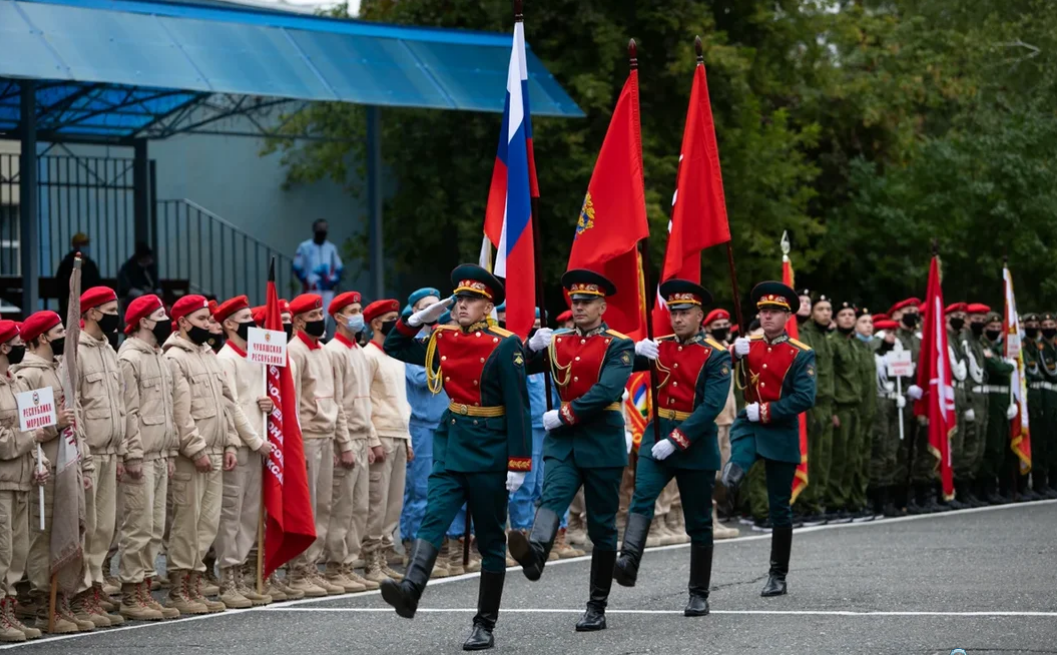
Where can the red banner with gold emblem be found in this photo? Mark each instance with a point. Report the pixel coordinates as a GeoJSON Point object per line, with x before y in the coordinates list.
{"type": "Point", "coordinates": [800, 481]}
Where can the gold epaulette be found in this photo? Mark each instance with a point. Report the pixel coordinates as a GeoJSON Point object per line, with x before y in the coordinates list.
{"type": "Point", "coordinates": [619, 335]}
{"type": "Point", "coordinates": [799, 344]}
{"type": "Point", "coordinates": [667, 337]}
{"type": "Point", "coordinates": [437, 328]}
{"type": "Point", "coordinates": [500, 331]}
{"type": "Point", "coordinates": [715, 344]}
{"type": "Point", "coordinates": [756, 338]}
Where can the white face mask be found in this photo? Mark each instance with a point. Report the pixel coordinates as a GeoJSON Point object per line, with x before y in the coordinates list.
{"type": "Point", "coordinates": [355, 323]}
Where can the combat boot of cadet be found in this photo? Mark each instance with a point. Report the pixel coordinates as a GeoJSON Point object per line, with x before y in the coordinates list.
{"type": "Point", "coordinates": [700, 580]}
{"type": "Point", "coordinates": [532, 551]}
{"type": "Point", "coordinates": [246, 583]}
{"type": "Point", "coordinates": [733, 475]}
{"type": "Point", "coordinates": [676, 523]}
{"type": "Point", "coordinates": [64, 608]}
{"type": "Point", "coordinates": [594, 618]}
{"type": "Point", "coordinates": [351, 574]}
{"type": "Point", "coordinates": [196, 580]}
{"type": "Point", "coordinates": [489, 594]}
{"type": "Point", "coordinates": [404, 595]}
{"type": "Point", "coordinates": [7, 608]}
{"type": "Point", "coordinates": [9, 633]}
{"type": "Point", "coordinates": [64, 622]}
{"type": "Point", "coordinates": [167, 613]}
{"type": "Point", "coordinates": [229, 590]}
{"type": "Point", "coordinates": [180, 596]}
{"type": "Point", "coordinates": [132, 606]}
{"type": "Point", "coordinates": [84, 609]}
{"type": "Point", "coordinates": [626, 569]}
{"type": "Point", "coordinates": [781, 545]}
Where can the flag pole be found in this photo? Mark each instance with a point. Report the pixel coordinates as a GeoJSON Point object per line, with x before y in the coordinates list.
{"type": "Point", "coordinates": [914, 434]}
{"type": "Point", "coordinates": [264, 465]}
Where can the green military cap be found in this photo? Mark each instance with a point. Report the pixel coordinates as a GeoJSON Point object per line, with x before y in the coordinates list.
{"type": "Point", "coordinates": [848, 305]}
{"type": "Point", "coordinates": [775, 295]}
{"type": "Point", "coordinates": [583, 284]}
{"type": "Point", "coordinates": [472, 281]}
{"type": "Point", "coordinates": [993, 317]}
{"type": "Point", "coordinates": [1031, 317]}
{"type": "Point", "coordinates": [684, 294]}
{"type": "Point", "coordinates": [861, 311]}
{"type": "Point", "coordinates": [1047, 316]}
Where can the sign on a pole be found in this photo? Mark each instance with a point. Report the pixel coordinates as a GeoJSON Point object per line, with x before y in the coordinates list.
{"type": "Point", "coordinates": [36, 409]}
{"type": "Point", "coordinates": [900, 364]}
{"type": "Point", "coordinates": [266, 347]}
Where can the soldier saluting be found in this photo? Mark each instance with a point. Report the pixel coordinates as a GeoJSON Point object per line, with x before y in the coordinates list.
{"type": "Point", "coordinates": [778, 378]}
{"type": "Point", "coordinates": [483, 447]}
{"type": "Point", "coordinates": [692, 389]}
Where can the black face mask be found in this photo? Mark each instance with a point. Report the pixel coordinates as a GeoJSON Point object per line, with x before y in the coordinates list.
{"type": "Point", "coordinates": [320, 237]}
{"type": "Point", "coordinates": [109, 323]}
{"type": "Point", "coordinates": [846, 331]}
{"type": "Point", "coordinates": [199, 335]}
{"type": "Point", "coordinates": [16, 354]}
{"type": "Point", "coordinates": [244, 330]}
{"type": "Point", "coordinates": [113, 338]}
{"type": "Point", "coordinates": [977, 328]}
{"type": "Point", "coordinates": [885, 347]}
{"type": "Point", "coordinates": [1049, 333]}
{"type": "Point", "coordinates": [1031, 332]}
{"type": "Point", "coordinates": [288, 328]}
{"type": "Point", "coordinates": [800, 319]}
{"type": "Point", "coordinates": [957, 324]}
{"type": "Point", "coordinates": [216, 342]}
{"type": "Point", "coordinates": [316, 328]}
{"type": "Point", "coordinates": [161, 331]}
{"type": "Point", "coordinates": [993, 334]}
{"type": "Point", "coordinates": [387, 327]}
{"type": "Point", "coordinates": [721, 334]}
{"type": "Point", "coordinates": [58, 346]}
{"type": "Point", "coordinates": [910, 320]}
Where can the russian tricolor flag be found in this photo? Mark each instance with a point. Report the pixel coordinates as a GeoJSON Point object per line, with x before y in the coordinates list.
{"type": "Point", "coordinates": [508, 217]}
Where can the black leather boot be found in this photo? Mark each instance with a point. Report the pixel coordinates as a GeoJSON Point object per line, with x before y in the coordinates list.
{"type": "Point", "coordinates": [626, 570]}
{"type": "Point", "coordinates": [531, 551]}
{"type": "Point", "coordinates": [890, 510]}
{"type": "Point", "coordinates": [733, 475]}
{"type": "Point", "coordinates": [404, 595]}
{"type": "Point", "coordinates": [959, 501]}
{"type": "Point", "coordinates": [991, 493]}
{"type": "Point", "coordinates": [700, 579]}
{"type": "Point", "coordinates": [967, 492]}
{"type": "Point", "coordinates": [919, 503]}
{"type": "Point", "coordinates": [934, 493]}
{"type": "Point", "coordinates": [489, 593]}
{"type": "Point", "coordinates": [1026, 492]}
{"type": "Point", "coordinates": [781, 544]}
{"type": "Point", "coordinates": [594, 618]}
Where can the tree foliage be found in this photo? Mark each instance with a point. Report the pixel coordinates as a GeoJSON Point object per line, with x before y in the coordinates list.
{"type": "Point", "coordinates": [865, 128]}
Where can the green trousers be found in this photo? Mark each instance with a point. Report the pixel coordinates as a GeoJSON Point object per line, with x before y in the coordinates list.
{"type": "Point", "coordinates": [957, 442]}
{"type": "Point", "coordinates": [779, 478]}
{"type": "Point", "coordinates": [695, 491]}
{"type": "Point", "coordinates": [997, 440]}
{"type": "Point", "coordinates": [1040, 427]}
{"type": "Point", "coordinates": [562, 479]}
{"type": "Point", "coordinates": [843, 461]}
{"type": "Point", "coordinates": [975, 434]}
{"type": "Point", "coordinates": [756, 497]}
{"type": "Point", "coordinates": [485, 496]}
{"type": "Point", "coordinates": [819, 450]}
{"type": "Point", "coordinates": [862, 452]}
{"type": "Point", "coordinates": [884, 454]}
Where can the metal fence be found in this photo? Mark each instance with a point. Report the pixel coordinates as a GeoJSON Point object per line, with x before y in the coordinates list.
{"type": "Point", "coordinates": [217, 257]}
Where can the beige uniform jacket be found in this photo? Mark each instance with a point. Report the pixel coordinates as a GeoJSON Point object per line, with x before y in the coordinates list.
{"type": "Point", "coordinates": [353, 382]}
{"type": "Point", "coordinates": [246, 381]}
{"type": "Point", "coordinates": [36, 373]}
{"type": "Point", "coordinates": [100, 395]}
{"type": "Point", "coordinates": [390, 411]}
{"type": "Point", "coordinates": [17, 448]}
{"type": "Point", "coordinates": [150, 427]}
{"type": "Point", "coordinates": [322, 415]}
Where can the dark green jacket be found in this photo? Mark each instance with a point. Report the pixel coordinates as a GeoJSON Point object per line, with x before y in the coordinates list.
{"type": "Point", "coordinates": [868, 376]}
{"type": "Point", "coordinates": [998, 370]}
{"type": "Point", "coordinates": [818, 339]}
{"type": "Point", "coordinates": [596, 439]}
{"type": "Point", "coordinates": [847, 370]}
{"type": "Point", "coordinates": [697, 445]}
{"type": "Point", "coordinates": [465, 444]}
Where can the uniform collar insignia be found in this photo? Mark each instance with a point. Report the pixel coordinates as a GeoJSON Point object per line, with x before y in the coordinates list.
{"type": "Point", "coordinates": [697, 338]}
{"type": "Point", "coordinates": [479, 325]}
{"type": "Point", "coordinates": [592, 333]}
{"type": "Point", "coordinates": [781, 339]}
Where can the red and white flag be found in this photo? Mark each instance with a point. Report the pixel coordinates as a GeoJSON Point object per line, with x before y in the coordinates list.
{"type": "Point", "coordinates": [934, 378]}
{"type": "Point", "coordinates": [1019, 432]}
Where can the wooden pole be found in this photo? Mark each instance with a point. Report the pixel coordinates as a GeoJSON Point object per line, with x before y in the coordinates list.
{"type": "Point", "coordinates": [51, 602]}
{"type": "Point", "coordinates": [260, 509]}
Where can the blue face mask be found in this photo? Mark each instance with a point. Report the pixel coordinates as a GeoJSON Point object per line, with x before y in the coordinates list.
{"type": "Point", "coordinates": [864, 338]}
{"type": "Point", "coordinates": [423, 333]}
{"type": "Point", "coordinates": [355, 323]}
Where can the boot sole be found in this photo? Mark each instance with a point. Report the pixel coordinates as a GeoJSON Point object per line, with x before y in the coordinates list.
{"type": "Point", "coordinates": [521, 550]}
{"type": "Point", "coordinates": [694, 613]}
{"type": "Point", "coordinates": [475, 647]}
{"type": "Point", "coordinates": [393, 594]}
{"type": "Point", "coordinates": [772, 594]}
{"type": "Point", "coordinates": [622, 578]}
{"type": "Point", "coordinates": [582, 628]}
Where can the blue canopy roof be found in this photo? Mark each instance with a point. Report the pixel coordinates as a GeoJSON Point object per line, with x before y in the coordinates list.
{"type": "Point", "coordinates": [115, 67]}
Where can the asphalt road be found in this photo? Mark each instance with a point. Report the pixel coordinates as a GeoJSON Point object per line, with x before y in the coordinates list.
{"type": "Point", "coordinates": [983, 580]}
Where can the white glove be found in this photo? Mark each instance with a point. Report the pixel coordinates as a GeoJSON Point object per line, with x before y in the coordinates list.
{"type": "Point", "coordinates": [541, 339]}
{"type": "Point", "coordinates": [514, 480]}
{"type": "Point", "coordinates": [970, 415]}
{"type": "Point", "coordinates": [646, 348]}
{"type": "Point", "coordinates": [753, 412]}
{"type": "Point", "coordinates": [551, 420]}
{"type": "Point", "coordinates": [430, 314]}
{"type": "Point", "coordinates": [662, 449]}
{"type": "Point", "coordinates": [901, 402]}
{"type": "Point", "coordinates": [1011, 413]}
{"type": "Point", "coordinates": [1009, 360]}
{"type": "Point", "coordinates": [741, 346]}
{"type": "Point", "coordinates": [915, 392]}
{"type": "Point", "coordinates": [629, 440]}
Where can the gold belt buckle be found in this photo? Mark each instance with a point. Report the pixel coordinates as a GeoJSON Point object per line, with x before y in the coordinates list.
{"type": "Point", "coordinates": [464, 409]}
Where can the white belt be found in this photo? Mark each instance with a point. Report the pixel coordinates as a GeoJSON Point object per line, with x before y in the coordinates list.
{"type": "Point", "coordinates": [959, 384]}
{"type": "Point", "coordinates": [1048, 386]}
{"type": "Point", "coordinates": [888, 395]}
{"type": "Point", "coordinates": [987, 388]}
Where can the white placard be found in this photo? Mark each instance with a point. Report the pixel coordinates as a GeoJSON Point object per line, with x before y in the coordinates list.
{"type": "Point", "coordinates": [900, 364]}
{"type": "Point", "coordinates": [36, 409]}
{"type": "Point", "coordinates": [266, 347]}
{"type": "Point", "coordinates": [1012, 346]}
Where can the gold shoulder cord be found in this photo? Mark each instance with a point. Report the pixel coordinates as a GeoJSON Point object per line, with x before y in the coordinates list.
{"type": "Point", "coordinates": [434, 381]}
{"type": "Point", "coordinates": [557, 368]}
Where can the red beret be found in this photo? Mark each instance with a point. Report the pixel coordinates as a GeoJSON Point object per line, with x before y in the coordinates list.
{"type": "Point", "coordinates": [141, 307]}
{"type": "Point", "coordinates": [258, 315]}
{"type": "Point", "coordinates": [231, 306]}
{"type": "Point", "coordinates": [8, 331]}
{"type": "Point", "coordinates": [306, 302]}
{"type": "Point", "coordinates": [717, 315]}
{"type": "Point", "coordinates": [284, 307]}
{"type": "Point", "coordinates": [188, 305]}
{"type": "Point", "coordinates": [344, 300]}
{"type": "Point", "coordinates": [879, 317]}
{"type": "Point", "coordinates": [213, 308]}
{"type": "Point", "coordinates": [956, 307]}
{"type": "Point", "coordinates": [923, 308]}
{"type": "Point", "coordinates": [977, 308]}
{"type": "Point", "coordinates": [380, 308]}
{"type": "Point", "coordinates": [565, 316]}
{"type": "Point", "coordinates": [903, 304]}
{"type": "Point", "coordinates": [97, 296]}
{"type": "Point", "coordinates": [39, 323]}
{"type": "Point", "coordinates": [886, 324]}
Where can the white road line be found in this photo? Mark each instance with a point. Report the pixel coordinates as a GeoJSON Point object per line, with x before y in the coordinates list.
{"type": "Point", "coordinates": [431, 610]}
{"type": "Point", "coordinates": [292, 604]}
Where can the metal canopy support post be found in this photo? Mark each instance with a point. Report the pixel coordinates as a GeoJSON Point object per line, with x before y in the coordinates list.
{"type": "Point", "coordinates": [374, 200]}
{"type": "Point", "coordinates": [140, 193]}
{"type": "Point", "coordinates": [29, 238]}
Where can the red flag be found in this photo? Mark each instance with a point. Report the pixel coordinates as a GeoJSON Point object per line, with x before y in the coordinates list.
{"type": "Point", "coordinates": [291, 527]}
{"type": "Point", "coordinates": [1019, 429]}
{"type": "Point", "coordinates": [800, 481]}
{"type": "Point", "coordinates": [934, 378]}
{"type": "Point", "coordinates": [699, 210]}
{"type": "Point", "coordinates": [613, 217]}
